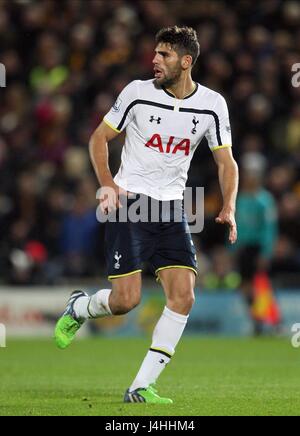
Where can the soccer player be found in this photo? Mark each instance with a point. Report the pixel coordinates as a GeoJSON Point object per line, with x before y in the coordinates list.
{"type": "Point", "coordinates": [165, 119]}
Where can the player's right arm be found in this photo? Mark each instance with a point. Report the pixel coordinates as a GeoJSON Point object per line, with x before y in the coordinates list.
{"type": "Point", "coordinates": [98, 146]}
{"type": "Point", "coordinates": [115, 121]}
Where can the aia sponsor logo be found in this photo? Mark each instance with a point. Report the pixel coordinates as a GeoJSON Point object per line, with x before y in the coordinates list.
{"type": "Point", "coordinates": [156, 142]}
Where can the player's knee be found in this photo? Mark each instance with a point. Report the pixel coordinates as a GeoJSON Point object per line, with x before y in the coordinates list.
{"type": "Point", "coordinates": [191, 302]}
{"type": "Point", "coordinates": [188, 302]}
{"type": "Point", "coordinates": [182, 302]}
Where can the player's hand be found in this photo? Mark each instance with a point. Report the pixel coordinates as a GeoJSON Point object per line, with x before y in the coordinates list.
{"type": "Point", "coordinates": [109, 198]}
{"type": "Point", "coordinates": [226, 216]}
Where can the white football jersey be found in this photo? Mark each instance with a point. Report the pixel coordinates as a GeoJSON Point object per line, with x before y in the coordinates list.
{"type": "Point", "coordinates": [162, 134]}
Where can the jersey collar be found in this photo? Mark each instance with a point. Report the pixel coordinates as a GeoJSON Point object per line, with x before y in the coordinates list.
{"type": "Point", "coordinates": [186, 97]}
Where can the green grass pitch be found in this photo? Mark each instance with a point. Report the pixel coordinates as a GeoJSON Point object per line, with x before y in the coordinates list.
{"type": "Point", "coordinates": [206, 377]}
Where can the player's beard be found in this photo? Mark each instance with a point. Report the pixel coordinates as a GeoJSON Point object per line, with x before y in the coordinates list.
{"type": "Point", "coordinates": [172, 77]}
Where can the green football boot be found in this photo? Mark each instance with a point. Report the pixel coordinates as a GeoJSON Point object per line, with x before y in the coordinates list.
{"type": "Point", "coordinates": [68, 325]}
{"type": "Point", "coordinates": [145, 395]}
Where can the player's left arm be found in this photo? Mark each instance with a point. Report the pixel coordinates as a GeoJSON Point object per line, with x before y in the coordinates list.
{"type": "Point", "coordinates": [228, 179]}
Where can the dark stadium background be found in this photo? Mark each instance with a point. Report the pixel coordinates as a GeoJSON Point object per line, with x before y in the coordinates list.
{"type": "Point", "coordinates": [66, 61]}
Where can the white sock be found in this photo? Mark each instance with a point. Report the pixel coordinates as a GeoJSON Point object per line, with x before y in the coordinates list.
{"type": "Point", "coordinates": [166, 336]}
{"type": "Point", "coordinates": [95, 306]}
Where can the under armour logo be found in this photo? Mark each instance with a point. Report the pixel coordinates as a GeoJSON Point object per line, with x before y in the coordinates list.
{"type": "Point", "coordinates": [158, 120]}
{"type": "Point", "coordinates": [161, 361]}
{"type": "Point", "coordinates": [117, 258]}
{"type": "Point", "coordinates": [195, 122]}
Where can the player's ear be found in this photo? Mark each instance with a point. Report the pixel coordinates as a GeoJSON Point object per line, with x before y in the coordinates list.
{"type": "Point", "coordinates": [186, 61]}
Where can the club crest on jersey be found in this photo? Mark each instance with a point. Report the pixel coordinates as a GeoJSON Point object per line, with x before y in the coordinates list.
{"type": "Point", "coordinates": [156, 143]}
{"type": "Point", "coordinates": [158, 120]}
{"type": "Point", "coordinates": [117, 258]}
{"type": "Point", "coordinates": [195, 122]}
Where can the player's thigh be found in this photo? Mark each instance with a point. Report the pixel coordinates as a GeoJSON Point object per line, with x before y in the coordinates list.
{"type": "Point", "coordinates": [178, 284]}
{"type": "Point", "coordinates": [127, 288]}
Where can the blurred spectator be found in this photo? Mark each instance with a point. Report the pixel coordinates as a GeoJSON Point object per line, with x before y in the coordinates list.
{"type": "Point", "coordinates": [256, 218]}
{"type": "Point", "coordinates": [285, 260]}
{"type": "Point", "coordinates": [221, 274]}
{"type": "Point", "coordinates": [79, 233]}
{"type": "Point", "coordinates": [67, 61]}
{"type": "Point", "coordinates": [49, 73]}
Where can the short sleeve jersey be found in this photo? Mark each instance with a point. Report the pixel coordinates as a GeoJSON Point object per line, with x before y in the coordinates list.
{"type": "Point", "coordinates": [162, 134]}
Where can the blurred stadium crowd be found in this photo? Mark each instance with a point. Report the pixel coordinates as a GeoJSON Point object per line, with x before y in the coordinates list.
{"type": "Point", "coordinates": [66, 62]}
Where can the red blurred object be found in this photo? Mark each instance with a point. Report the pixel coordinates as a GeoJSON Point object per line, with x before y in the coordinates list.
{"type": "Point", "coordinates": [265, 307]}
{"type": "Point", "coordinates": [36, 251]}
{"type": "Point", "coordinates": [45, 113]}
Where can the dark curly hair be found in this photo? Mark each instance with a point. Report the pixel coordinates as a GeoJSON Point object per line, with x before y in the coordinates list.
{"type": "Point", "coordinates": [183, 40]}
